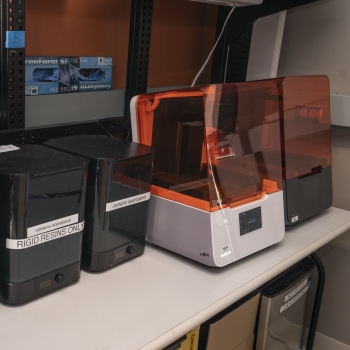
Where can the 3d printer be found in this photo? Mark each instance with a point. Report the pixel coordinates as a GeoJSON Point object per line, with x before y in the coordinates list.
{"type": "Point", "coordinates": [306, 146]}
{"type": "Point", "coordinates": [216, 194]}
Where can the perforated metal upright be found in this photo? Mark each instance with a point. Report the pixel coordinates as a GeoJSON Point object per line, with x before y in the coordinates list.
{"type": "Point", "coordinates": [139, 50]}
{"type": "Point", "coordinates": [12, 64]}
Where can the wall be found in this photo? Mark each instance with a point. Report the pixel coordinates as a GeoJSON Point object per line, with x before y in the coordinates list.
{"type": "Point", "coordinates": [80, 28]}
{"type": "Point", "coordinates": [334, 319]}
{"type": "Point", "coordinates": [316, 41]}
{"type": "Point", "coordinates": [183, 33]}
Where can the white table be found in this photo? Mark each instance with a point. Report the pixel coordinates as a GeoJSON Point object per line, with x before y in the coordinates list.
{"type": "Point", "coordinates": [149, 302]}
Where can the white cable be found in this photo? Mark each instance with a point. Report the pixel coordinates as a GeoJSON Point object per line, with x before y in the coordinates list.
{"type": "Point", "coordinates": [212, 50]}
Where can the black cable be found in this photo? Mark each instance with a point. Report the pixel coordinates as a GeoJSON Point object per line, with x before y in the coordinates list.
{"type": "Point", "coordinates": [318, 300]}
{"type": "Point", "coordinates": [98, 122]}
{"type": "Point", "coordinates": [125, 130]}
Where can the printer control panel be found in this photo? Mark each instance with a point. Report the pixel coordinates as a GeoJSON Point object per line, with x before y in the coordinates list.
{"type": "Point", "coordinates": [250, 221]}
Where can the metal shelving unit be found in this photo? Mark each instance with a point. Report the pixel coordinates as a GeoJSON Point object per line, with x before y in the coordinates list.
{"type": "Point", "coordinates": [12, 56]}
{"type": "Point", "coordinates": [139, 50]}
{"type": "Point", "coordinates": [230, 59]}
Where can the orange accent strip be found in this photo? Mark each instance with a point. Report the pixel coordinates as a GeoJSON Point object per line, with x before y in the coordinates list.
{"type": "Point", "coordinates": [251, 198]}
{"type": "Point", "coordinates": [183, 199]}
{"type": "Point", "coordinates": [177, 94]}
{"type": "Point", "coordinates": [218, 207]}
{"type": "Point", "coordinates": [144, 122]}
{"type": "Point", "coordinates": [145, 111]}
{"type": "Point", "coordinates": [270, 186]}
{"type": "Point", "coordinates": [180, 198]}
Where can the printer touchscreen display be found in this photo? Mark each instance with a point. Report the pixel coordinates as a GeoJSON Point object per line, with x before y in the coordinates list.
{"type": "Point", "coordinates": [250, 220]}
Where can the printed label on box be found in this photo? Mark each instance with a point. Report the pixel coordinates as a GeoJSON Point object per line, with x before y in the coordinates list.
{"type": "Point", "coordinates": [295, 299]}
{"type": "Point", "coordinates": [44, 237]}
{"type": "Point", "coordinates": [32, 90]}
{"type": "Point", "coordinates": [105, 61]}
{"type": "Point", "coordinates": [90, 73]}
{"type": "Point", "coordinates": [128, 201]}
{"type": "Point", "coordinates": [46, 75]}
{"type": "Point", "coordinates": [295, 218]}
{"type": "Point", "coordinates": [49, 226]}
{"type": "Point", "coordinates": [295, 291]}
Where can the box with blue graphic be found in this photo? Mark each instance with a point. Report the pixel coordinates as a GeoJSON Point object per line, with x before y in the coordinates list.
{"type": "Point", "coordinates": [90, 73]}
{"type": "Point", "coordinates": [46, 75]}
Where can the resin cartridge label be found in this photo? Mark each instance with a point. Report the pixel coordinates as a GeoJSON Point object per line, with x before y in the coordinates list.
{"type": "Point", "coordinates": [51, 225]}
{"type": "Point", "coordinates": [128, 201]}
{"type": "Point", "coordinates": [44, 237]}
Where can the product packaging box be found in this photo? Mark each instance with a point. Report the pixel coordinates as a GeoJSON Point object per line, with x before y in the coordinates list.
{"type": "Point", "coordinates": [231, 329]}
{"type": "Point", "coordinates": [46, 75]}
{"type": "Point", "coordinates": [191, 342]}
{"type": "Point", "coordinates": [90, 73]}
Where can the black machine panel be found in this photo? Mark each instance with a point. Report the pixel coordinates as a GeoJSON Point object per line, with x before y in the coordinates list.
{"type": "Point", "coordinates": [117, 197]}
{"type": "Point", "coordinates": [43, 209]}
{"type": "Point", "coordinates": [307, 196]}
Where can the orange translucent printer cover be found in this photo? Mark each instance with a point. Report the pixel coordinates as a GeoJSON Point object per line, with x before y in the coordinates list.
{"type": "Point", "coordinates": [215, 146]}
{"type": "Point", "coordinates": [306, 133]}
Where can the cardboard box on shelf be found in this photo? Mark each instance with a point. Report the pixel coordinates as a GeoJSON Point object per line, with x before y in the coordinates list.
{"type": "Point", "coordinates": [191, 343]}
{"type": "Point", "coordinates": [90, 73]}
{"type": "Point", "coordinates": [235, 330]}
{"type": "Point", "coordinates": [46, 75]}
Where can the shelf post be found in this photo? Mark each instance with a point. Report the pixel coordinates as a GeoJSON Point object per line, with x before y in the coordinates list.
{"type": "Point", "coordinates": [12, 64]}
{"type": "Point", "coordinates": [139, 50]}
